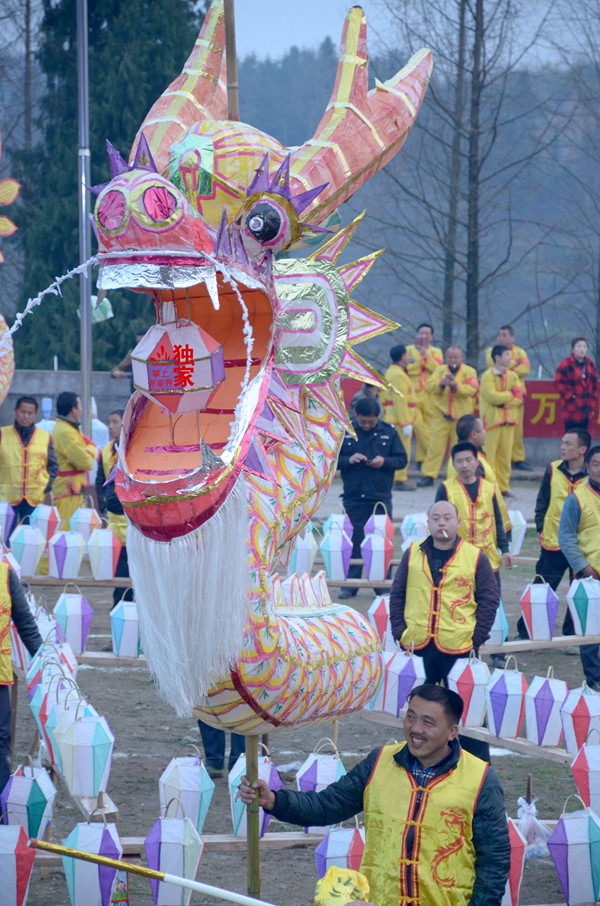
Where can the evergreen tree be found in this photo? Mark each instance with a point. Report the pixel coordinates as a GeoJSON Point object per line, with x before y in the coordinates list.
{"type": "Point", "coordinates": [136, 48]}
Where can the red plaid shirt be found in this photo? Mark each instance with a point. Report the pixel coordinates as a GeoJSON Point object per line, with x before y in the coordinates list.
{"type": "Point", "coordinates": [577, 383]}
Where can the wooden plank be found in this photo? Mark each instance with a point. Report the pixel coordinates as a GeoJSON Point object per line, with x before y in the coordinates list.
{"type": "Point", "coordinates": [523, 746]}
{"type": "Point", "coordinates": [87, 581]}
{"type": "Point", "coordinates": [110, 659]}
{"type": "Point", "coordinates": [559, 641]}
{"type": "Point", "coordinates": [133, 847]}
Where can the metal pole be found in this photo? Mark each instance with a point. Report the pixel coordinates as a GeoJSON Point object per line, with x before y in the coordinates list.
{"type": "Point", "coordinates": [233, 95]}
{"type": "Point", "coordinates": [83, 161]}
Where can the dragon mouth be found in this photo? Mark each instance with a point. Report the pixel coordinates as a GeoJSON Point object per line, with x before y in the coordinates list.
{"type": "Point", "coordinates": [176, 468]}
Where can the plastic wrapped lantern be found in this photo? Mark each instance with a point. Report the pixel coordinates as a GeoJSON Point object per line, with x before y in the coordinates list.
{"type": "Point", "coordinates": [585, 768]}
{"type": "Point", "coordinates": [74, 614]}
{"type": "Point", "coordinates": [505, 701]}
{"type": "Point", "coordinates": [175, 847]}
{"type": "Point", "coordinates": [27, 545]}
{"type": "Point", "coordinates": [379, 618]}
{"type": "Point", "coordinates": [583, 599]}
{"type": "Point", "coordinates": [469, 677]}
{"type": "Point", "coordinates": [539, 606]}
{"type": "Point", "coordinates": [104, 549]}
{"type": "Point", "coordinates": [186, 779]}
{"type": "Point", "coordinates": [580, 714]}
{"type": "Point", "coordinates": [178, 366]}
{"type": "Point", "coordinates": [86, 881]}
{"type": "Point", "coordinates": [543, 701]}
{"type": "Point", "coordinates": [318, 771]}
{"type": "Point", "coordinates": [65, 553]}
{"type": "Point", "coordinates": [574, 845]}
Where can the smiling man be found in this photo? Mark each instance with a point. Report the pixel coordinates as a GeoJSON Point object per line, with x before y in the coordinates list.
{"type": "Point", "coordinates": [435, 821]}
{"type": "Point", "coordinates": [444, 596]}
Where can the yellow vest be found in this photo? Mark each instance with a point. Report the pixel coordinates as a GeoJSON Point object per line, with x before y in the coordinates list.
{"type": "Point", "coordinates": [498, 405]}
{"type": "Point", "coordinates": [23, 470]}
{"type": "Point", "coordinates": [6, 671]}
{"type": "Point", "coordinates": [109, 458]}
{"type": "Point", "coordinates": [442, 863]}
{"type": "Point", "coordinates": [519, 363]}
{"type": "Point", "coordinates": [588, 534]}
{"type": "Point", "coordinates": [489, 475]}
{"type": "Point", "coordinates": [444, 613]}
{"type": "Point", "coordinates": [75, 454]}
{"type": "Point", "coordinates": [560, 488]}
{"type": "Point", "coordinates": [477, 523]}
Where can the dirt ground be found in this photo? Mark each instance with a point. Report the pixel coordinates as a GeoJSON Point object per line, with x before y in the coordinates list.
{"type": "Point", "coordinates": [148, 734]}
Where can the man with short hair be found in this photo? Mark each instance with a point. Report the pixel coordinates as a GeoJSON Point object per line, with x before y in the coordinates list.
{"type": "Point", "coordinates": [444, 596]}
{"type": "Point", "coordinates": [28, 464]}
{"type": "Point", "coordinates": [579, 540]}
{"type": "Point", "coordinates": [470, 428]}
{"type": "Point", "coordinates": [400, 407]}
{"type": "Point", "coordinates": [423, 359]}
{"type": "Point", "coordinates": [520, 364]}
{"type": "Point", "coordinates": [500, 398]}
{"type": "Point", "coordinates": [560, 479]}
{"type": "Point", "coordinates": [367, 464]}
{"type": "Point", "coordinates": [416, 796]}
{"type": "Point", "coordinates": [75, 453]}
{"type": "Point", "coordinates": [453, 389]}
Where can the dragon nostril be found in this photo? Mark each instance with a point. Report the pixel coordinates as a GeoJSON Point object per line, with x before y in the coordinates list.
{"type": "Point", "coordinates": [111, 210]}
{"type": "Point", "coordinates": [159, 203]}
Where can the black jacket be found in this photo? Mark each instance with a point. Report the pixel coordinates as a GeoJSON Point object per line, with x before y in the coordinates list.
{"type": "Point", "coordinates": [107, 495]}
{"type": "Point", "coordinates": [362, 482]}
{"type": "Point", "coordinates": [21, 615]}
{"type": "Point", "coordinates": [344, 798]}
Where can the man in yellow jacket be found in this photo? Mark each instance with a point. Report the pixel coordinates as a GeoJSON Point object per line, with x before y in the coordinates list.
{"type": "Point", "coordinates": [28, 464]}
{"type": "Point", "coordinates": [453, 389]}
{"type": "Point", "coordinates": [423, 359]}
{"type": "Point", "coordinates": [75, 453]}
{"type": "Point", "coordinates": [520, 364]}
{"type": "Point", "coordinates": [400, 408]}
{"type": "Point", "coordinates": [416, 797]}
{"type": "Point", "coordinates": [500, 398]}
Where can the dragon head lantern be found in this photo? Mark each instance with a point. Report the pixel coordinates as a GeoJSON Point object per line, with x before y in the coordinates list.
{"type": "Point", "coordinates": [218, 476]}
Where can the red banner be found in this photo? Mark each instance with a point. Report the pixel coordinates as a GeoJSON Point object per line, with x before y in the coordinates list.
{"type": "Point", "coordinates": [542, 417]}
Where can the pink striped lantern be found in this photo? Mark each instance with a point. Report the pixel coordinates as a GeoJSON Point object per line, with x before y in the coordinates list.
{"type": "Point", "coordinates": [65, 555]}
{"type": "Point", "coordinates": [469, 678]}
{"type": "Point", "coordinates": [380, 522]}
{"type": "Point", "coordinates": [377, 699]}
{"type": "Point", "coordinates": [517, 863]}
{"type": "Point", "coordinates": [543, 701]}
{"type": "Point", "coordinates": [378, 616]}
{"type": "Point", "coordinates": [505, 701]}
{"type": "Point", "coordinates": [46, 518]}
{"type": "Point", "coordinates": [539, 606]}
{"type": "Point", "coordinates": [342, 847]}
{"type": "Point", "coordinates": [585, 768]}
{"type": "Point", "coordinates": [580, 714]}
{"type": "Point", "coordinates": [16, 864]}
{"type": "Point", "coordinates": [104, 549]}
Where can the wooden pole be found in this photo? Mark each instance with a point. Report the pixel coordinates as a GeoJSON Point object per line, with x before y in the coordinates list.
{"type": "Point", "coordinates": [233, 93]}
{"type": "Point", "coordinates": [253, 851]}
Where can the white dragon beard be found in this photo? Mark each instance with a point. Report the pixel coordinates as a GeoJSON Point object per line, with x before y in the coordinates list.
{"type": "Point", "coordinates": [192, 601]}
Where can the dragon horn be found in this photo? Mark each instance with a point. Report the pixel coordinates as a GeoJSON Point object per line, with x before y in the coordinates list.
{"type": "Point", "coordinates": [360, 130]}
{"type": "Point", "coordinates": [197, 94]}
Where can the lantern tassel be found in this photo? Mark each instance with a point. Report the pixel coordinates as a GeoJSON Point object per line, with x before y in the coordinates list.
{"type": "Point", "coordinates": [121, 865]}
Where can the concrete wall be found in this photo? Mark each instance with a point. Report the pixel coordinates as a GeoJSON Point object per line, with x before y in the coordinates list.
{"type": "Point", "coordinates": [109, 393]}
{"type": "Point", "coordinates": [113, 393]}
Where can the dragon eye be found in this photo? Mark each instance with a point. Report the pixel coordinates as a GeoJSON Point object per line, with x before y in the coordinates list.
{"type": "Point", "coordinates": [264, 222]}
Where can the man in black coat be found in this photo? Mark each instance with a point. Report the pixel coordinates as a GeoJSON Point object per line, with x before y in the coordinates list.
{"type": "Point", "coordinates": [367, 464]}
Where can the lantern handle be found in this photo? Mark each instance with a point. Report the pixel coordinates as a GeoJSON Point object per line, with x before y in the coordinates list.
{"type": "Point", "coordinates": [188, 745]}
{"type": "Point", "coordinates": [89, 502]}
{"type": "Point", "coordinates": [69, 681]}
{"type": "Point", "coordinates": [74, 584]}
{"type": "Point", "coordinates": [538, 576]}
{"type": "Point", "coordinates": [66, 702]}
{"type": "Point", "coordinates": [323, 742]}
{"type": "Point", "coordinates": [550, 674]}
{"type": "Point", "coordinates": [593, 730]}
{"type": "Point", "coordinates": [179, 802]}
{"type": "Point", "coordinates": [574, 796]}
{"type": "Point", "coordinates": [28, 762]}
{"type": "Point", "coordinates": [473, 656]}
{"type": "Point", "coordinates": [511, 657]}
{"type": "Point", "coordinates": [101, 813]}
{"type": "Point", "coordinates": [380, 503]}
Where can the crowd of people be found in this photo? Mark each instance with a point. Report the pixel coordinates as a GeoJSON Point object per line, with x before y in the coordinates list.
{"type": "Point", "coordinates": [468, 521]}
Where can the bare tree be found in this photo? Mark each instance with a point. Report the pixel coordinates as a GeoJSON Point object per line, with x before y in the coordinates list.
{"type": "Point", "coordinates": [452, 210]}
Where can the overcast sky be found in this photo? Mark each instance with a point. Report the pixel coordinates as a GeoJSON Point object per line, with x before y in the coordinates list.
{"type": "Point", "coordinates": [271, 27]}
